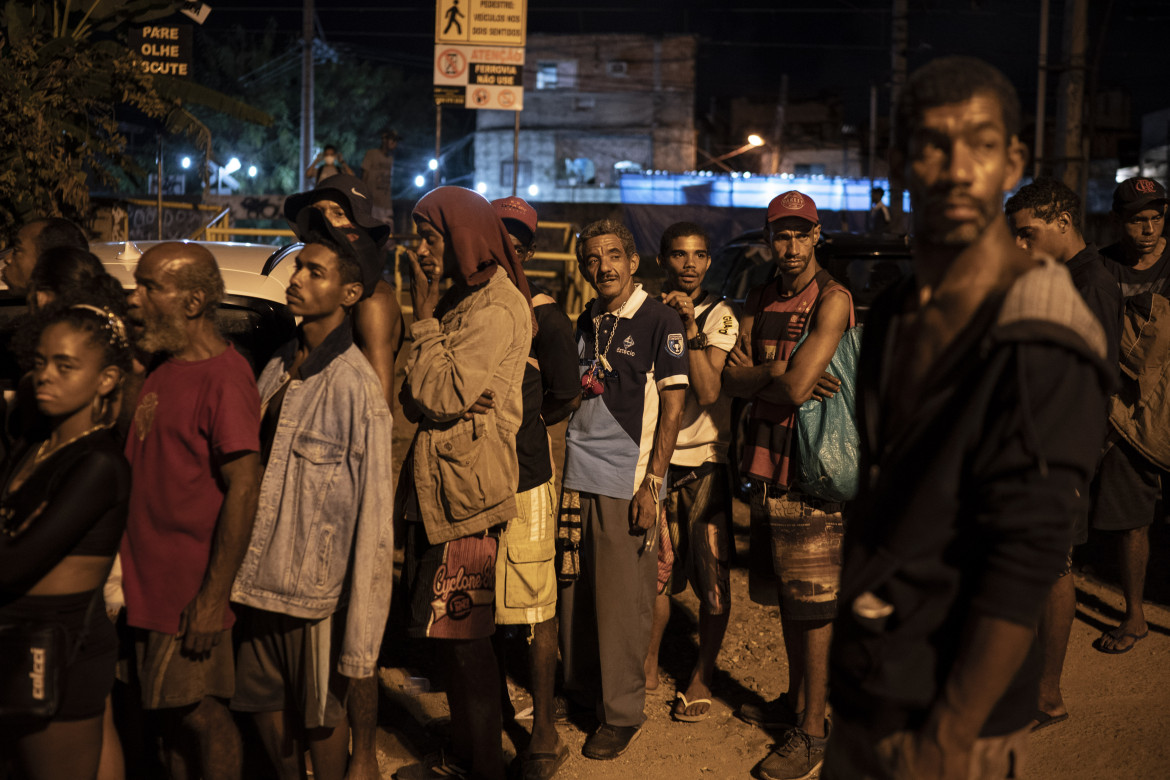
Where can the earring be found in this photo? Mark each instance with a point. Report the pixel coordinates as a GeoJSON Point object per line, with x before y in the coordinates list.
{"type": "Point", "coordinates": [99, 409]}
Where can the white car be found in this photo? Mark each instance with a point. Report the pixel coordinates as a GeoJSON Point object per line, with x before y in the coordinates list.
{"type": "Point", "coordinates": [254, 313]}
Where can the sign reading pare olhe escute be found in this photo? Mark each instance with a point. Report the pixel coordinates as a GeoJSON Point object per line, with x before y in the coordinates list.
{"type": "Point", "coordinates": [163, 49]}
{"type": "Point", "coordinates": [493, 22]}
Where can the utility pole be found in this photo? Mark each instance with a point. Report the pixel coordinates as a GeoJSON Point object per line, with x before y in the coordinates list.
{"type": "Point", "coordinates": [439, 144]}
{"type": "Point", "coordinates": [307, 35]}
{"type": "Point", "coordinates": [160, 186]}
{"type": "Point", "coordinates": [1070, 110]}
{"type": "Point", "coordinates": [900, 38]}
{"type": "Point", "coordinates": [515, 153]}
{"type": "Point", "coordinates": [778, 128]}
{"type": "Point", "coordinates": [873, 105]}
{"type": "Point", "coordinates": [1041, 92]}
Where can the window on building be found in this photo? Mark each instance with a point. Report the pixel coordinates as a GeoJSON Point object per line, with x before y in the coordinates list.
{"type": "Point", "coordinates": [506, 174]}
{"type": "Point", "coordinates": [546, 75]}
{"type": "Point", "coordinates": [556, 75]}
{"type": "Point", "coordinates": [616, 68]}
{"type": "Point", "coordinates": [577, 172]}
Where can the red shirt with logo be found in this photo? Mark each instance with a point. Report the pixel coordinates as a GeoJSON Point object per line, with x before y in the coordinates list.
{"type": "Point", "coordinates": [191, 416]}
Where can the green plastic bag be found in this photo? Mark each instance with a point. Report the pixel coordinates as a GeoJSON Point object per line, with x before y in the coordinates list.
{"type": "Point", "coordinates": [827, 442]}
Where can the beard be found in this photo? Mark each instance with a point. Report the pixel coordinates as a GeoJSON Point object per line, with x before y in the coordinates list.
{"type": "Point", "coordinates": [934, 227]}
{"type": "Point", "coordinates": [164, 333]}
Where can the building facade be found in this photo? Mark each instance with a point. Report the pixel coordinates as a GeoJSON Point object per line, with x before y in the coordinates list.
{"type": "Point", "coordinates": [595, 106]}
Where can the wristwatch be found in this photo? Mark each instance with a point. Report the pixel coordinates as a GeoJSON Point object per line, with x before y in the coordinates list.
{"type": "Point", "coordinates": [698, 342]}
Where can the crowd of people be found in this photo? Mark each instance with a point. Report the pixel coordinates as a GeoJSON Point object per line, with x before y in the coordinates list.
{"type": "Point", "coordinates": [223, 542]}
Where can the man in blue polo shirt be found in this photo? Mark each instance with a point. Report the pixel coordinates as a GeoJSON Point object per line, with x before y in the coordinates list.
{"type": "Point", "coordinates": [634, 376]}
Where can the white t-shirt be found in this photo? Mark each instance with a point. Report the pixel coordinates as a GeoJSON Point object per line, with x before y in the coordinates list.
{"type": "Point", "coordinates": [705, 432]}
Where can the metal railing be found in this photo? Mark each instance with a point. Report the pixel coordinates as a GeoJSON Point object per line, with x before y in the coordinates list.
{"type": "Point", "coordinates": [223, 216]}
{"type": "Point", "coordinates": [166, 204]}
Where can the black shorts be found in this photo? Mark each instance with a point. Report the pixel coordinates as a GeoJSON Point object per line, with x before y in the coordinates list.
{"type": "Point", "coordinates": [1127, 490]}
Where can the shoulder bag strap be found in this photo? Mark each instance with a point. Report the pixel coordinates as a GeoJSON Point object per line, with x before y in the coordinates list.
{"type": "Point", "coordinates": [701, 320]}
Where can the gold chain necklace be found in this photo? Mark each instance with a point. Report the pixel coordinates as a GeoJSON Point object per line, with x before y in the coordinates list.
{"type": "Point", "coordinates": [43, 453]}
{"type": "Point", "coordinates": [599, 355]}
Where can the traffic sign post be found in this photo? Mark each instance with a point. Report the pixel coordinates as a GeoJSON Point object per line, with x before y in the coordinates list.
{"type": "Point", "coordinates": [479, 59]}
{"type": "Point", "coordinates": [491, 22]}
{"type": "Point", "coordinates": [479, 46]}
{"type": "Point", "coordinates": [490, 76]}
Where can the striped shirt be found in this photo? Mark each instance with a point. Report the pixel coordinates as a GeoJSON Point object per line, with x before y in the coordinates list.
{"type": "Point", "coordinates": [779, 322]}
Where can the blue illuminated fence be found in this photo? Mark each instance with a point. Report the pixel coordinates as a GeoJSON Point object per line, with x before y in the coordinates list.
{"type": "Point", "coordinates": [746, 190]}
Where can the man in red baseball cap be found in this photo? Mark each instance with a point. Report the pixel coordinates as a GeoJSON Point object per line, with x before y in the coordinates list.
{"type": "Point", "coordinates": [795, 538]}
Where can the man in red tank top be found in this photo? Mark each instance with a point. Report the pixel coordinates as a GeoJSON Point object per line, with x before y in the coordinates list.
{"type": "Point", "coordinates": [796, 539]}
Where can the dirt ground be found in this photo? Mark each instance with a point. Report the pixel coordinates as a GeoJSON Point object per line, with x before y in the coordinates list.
{"type": "Point", "coordinates": [1119, 704]}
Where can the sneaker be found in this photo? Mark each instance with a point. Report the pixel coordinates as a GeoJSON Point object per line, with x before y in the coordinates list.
{"type": "Point", "coordinates": [775, 714]}
{"type": "Point", "coordinates": [609, 742]}
{"type": "Point", "coordinates": [436, 766]}
{"type": "Point", "coordinates": [796, 758]}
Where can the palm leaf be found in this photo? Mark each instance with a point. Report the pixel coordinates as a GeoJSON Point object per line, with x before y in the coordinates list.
{"type": "Point", "coordinates": [172, 88]}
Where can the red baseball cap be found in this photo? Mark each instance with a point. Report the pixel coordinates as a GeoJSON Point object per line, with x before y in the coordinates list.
{"type": "Point", "coordinates": [792, 204]}
{"type": "Point", "coordinates": [515, 211]}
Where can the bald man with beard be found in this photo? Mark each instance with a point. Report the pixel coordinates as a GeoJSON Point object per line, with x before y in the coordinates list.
{"type": "Point", "coordinates": [193, 449]}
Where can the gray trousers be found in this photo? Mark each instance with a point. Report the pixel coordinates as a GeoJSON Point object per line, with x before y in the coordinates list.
{"type": "Point", "coordinates": [606, 615]}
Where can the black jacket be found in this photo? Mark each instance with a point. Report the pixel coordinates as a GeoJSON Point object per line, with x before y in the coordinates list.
{"type": "Point", "coordinates": [968, 507]}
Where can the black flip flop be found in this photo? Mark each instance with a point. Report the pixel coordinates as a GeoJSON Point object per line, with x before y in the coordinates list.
{"type": "Point", "coordinates": [1117, 635]}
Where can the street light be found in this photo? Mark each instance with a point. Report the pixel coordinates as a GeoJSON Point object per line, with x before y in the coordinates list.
{"type": "Point", "coordinates": [420, 180]}
{"type": "Point", "coordinates": [433, 164]}
{"type": "Point", "coordinates": [252, 171]}
{"type": "Point", "coordinates": [232, 166]}
{"type": "Point", "coordinates": [753, 142]}
{"type": "Point", "coordinates": [185, 162]}
{"type": "Point", "coordinates": [481, 187]}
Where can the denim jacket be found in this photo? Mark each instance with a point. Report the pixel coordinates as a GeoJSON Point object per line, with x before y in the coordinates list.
{"type": "Point", "coordinates": [465, 471]}
{"type": "Point", "coordinates": [323, 529]}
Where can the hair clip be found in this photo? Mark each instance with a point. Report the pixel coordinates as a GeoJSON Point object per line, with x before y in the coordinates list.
{"type": "Point", "coordinates": [116, 327]}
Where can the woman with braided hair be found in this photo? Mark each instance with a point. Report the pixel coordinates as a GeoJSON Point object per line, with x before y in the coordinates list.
{"type": "Point", "coordinates": [62, 512]}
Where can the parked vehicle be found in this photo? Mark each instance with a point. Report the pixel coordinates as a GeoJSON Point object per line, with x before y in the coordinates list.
{"type": "Point", "coordinates": [865, 264]}
{"type": "Point", "coordinates": [254, 314]}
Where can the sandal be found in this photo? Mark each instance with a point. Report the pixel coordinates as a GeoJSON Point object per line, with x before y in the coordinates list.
{"type": "Point", "coordinates": [681, 714]}
{"type": "Point", "coordinates": [543, 766]}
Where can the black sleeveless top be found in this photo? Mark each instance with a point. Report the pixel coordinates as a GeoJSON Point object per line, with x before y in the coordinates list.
{"type": "Point", "coordinates": [77, 501]}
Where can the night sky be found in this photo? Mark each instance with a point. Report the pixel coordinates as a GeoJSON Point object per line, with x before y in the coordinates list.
{"type": "Point", "coordinates": [827, 47]}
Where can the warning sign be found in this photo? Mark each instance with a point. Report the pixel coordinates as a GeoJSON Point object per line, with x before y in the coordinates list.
{"type": "Point", "coordinates": [450, 96]}
{"type": "Point", "coordinates": [472, 96]}
{"type": "Point", "coordinates": [450, 64]}
{"type": "Point", "coordinates": [487, 76]}
{"type": "Point", "coordinates": [497, 75]}
{"type": "Point", "coordinates": [494, 22]}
